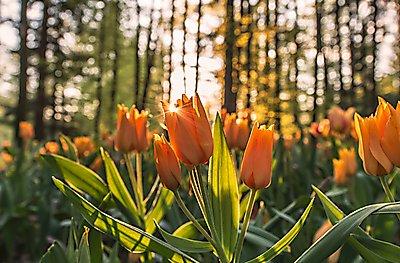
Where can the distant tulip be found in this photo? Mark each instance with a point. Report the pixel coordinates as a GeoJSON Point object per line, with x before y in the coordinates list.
{"type": "Point", "coordinates": [340, 172]}
{"type": "Point", "coordinates": [84, 145]}
{"type": "Point", "coordinates": [26, 131]}
{"type": "Point", "coordinates": [237, 131]}
{"type": "Point", "coordinates": [167, 163]}
{"type": "Point", "coordinates": [349, 158]}
{"type": "Point", "coordinates": [132, 134]}
{"type": "Point", "coordinates": [341, 120]}
{"type": "Point", "coordinates": [320, 129]}
{"type": "Point", "coordinates": [257, 159]}
{"type": "Point", "coordinates": [49, 147]}
{"type": "Point", "coordinates": [375, 161]}
{"type": "Point", "coordinates": [189, 130]}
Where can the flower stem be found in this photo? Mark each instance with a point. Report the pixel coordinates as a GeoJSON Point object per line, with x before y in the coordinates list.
{"type": "Point", "coordinates": [132, 177]}
{"type": "Point", "coordinates": [139, 176]}
{"type": "Point", "coordinates": [190, 216]}
{"type": "Point", "coordinates": [245, 224]}
{"type": "Point", "coordinates": [388, 193]}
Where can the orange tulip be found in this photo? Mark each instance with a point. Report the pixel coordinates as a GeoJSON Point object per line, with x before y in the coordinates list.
{"type": "Point", "coordinates": [132, 134]}
{"type": "Point", "coordinates": [388, 120]}
{"type": "Point", "coordinates": [26, 131]}
{"type": "Point", "coordinates": [189, 130]}
{"type": "Point", "coordinates": [341, 120]}
{"type": "Point", "coordinates": [340, 172]}
{"type": "Point", "coordinates": [96, 164]}
{"type": "Point", "coordinates": [257, 159]}
{"type": "Point", "coordinates": [6, 157]}
{"type": "Point", "coordinates": [320, 129]}
{"type": "Point", "coordinates": [167, 163]}
{"type": "Point", "coordinates": [237, 131]}
{"type": "Point", "coordinates": [84, 146]}
{"type": "Point", "coordinates": [349, 158]}
{"type": "Point", "coordinates": [375, 161]}
{"type": "Point", "coordinates": [49, 147]}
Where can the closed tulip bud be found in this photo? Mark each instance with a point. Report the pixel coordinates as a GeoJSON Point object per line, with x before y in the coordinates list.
{"type": "Point", "coordinates": [340, 172]}
{"type": "Point", "coordinates": [84, 145]}
{"type": "Point", "coordinates": [26, 131]}
{"type": "Point", "coordinates": [167, 163]}
{"type": "Point", "coordinates": [189, 130]}
{"type": "Point", "coordinates": [320, 129]}
{"type": "Point", "coordinates": [237, 131]}
{"type": "Point", "coordinates": [375, 161]}
{"type": "Point", "coordinates": [257, 159]}
{"type": "Point", "coordinates": [132, 133]}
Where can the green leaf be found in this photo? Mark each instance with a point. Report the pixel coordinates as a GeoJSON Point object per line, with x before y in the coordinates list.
{"type": "Point", "coordinates": [95, 246]}
{"type": "Point", "coordinates": [224, 192]}
{"type": "Point", "coordinates": [132, 238]}
{"type": "Point", "coordinates": [118, 188]}
{"type": "Point", "coordinates": [245, 201]}
{"type": "Point", "coordinates": [186, 244]}
{"type": "Point", "coordinates": [72, 152]}
{"type": "Point", "coordinates": [160, 206]}
{"type": "Point", "coordinates": [335, 214]}
{"type": "Point", "coordinates": [386, 250]}
{"type": "Point", "coordinates": [54, 253]}
{"type": "Point", "coordinates": [286, 240]}
{"type": "Point", "coordinates": [188, 230]}
{"type": "Point", "coordinates": [340, 232]}
{"type": "Point", "coordinates": [78, 177]}
{"type": "Point", "coordinates": [260, 237]}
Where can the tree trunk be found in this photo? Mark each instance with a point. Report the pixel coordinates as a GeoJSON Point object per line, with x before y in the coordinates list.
{"type": "Point", "coordinates": [230, 95]}
{"type": "Point", "coordinates": [136, 67]}
{"type": "Point", "coordinates": [42, 68]}
{"type": "Point", "coordinates": [198, 48]}
{"type": "Point", "coordinates": [23, 61]}
{"type": "Point", "coordinates": [115, 80]}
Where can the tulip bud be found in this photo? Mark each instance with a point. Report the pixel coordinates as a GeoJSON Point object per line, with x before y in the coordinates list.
{"type": "Point", "coordinates": [237, 131]}
{"type": "Point", "coordinates": [340, 172]}
{"type": "Point", "coordinates": [375, 161]}
{"type": "Point", "coordinates": [349, 158]}
{"type": "Point", "coordinates": [84, 145]}
{"type": "Point", "coordinates": [257, 159]}
{"type": "Point", "coordinates": [189, 130]}
{"type": "Point", "coordinates": [167, 163]}
{"type": "Point", "coordinates": [340, 120]}
{"type": "Point", "coordinates": [26, 131]}
{"type": "Point", "coordinates": [132, 134]}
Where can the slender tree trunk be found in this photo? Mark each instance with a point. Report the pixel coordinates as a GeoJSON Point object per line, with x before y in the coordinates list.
{"type": "Point", "coordinates": [100, 62]}
{"type": "Point", "coordinates": [184, 45]}
{"type": "Point", "coordinates": [249, 56]}
{"type": "Point", "coordinates": [115, 80]}
{"type": "Point", "coordinates": [339, 44]}
{"type": "Point", "coordinates": [137, 66]}
{"type": "Point", "coordinates": [23, 61]}
{"type": "Point", "coordinates": [171, 49]}
{"type": "Point", "coordinates": [230, 95]}
{"type": "Point", "coordinates": [277, 70]}
{"type": "Point", "coordinates": [374, 53]}
{"type": "Point", "coordinates": [41, 91]}
{"type": "Point", "coordinates": [319, 47]}
{"type": "Point", "coordinates": [198, 47]}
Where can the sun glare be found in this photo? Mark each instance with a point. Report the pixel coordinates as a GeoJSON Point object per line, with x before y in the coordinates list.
{"type": "Point", "coordinates": [173, 108]}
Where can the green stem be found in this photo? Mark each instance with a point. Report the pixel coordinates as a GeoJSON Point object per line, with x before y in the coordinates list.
{"type": "Point", "coordinates": [190, 216]}
{"type": "Point", "coordinates": [388, 193]}
{"type": "Point", "coordinates": [132, 177]}
{"type": "Point", "coordinates": [245, 224]}
{"type": "Point", "coordinates": [139, 176]}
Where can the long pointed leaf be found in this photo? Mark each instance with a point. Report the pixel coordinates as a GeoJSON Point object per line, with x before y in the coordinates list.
{"type": "Point", "coordinates": [132, 238]}
{"type": "Point", "coordinates": [224, 192]}
{"type": "Point", "coordinates": [162, 204]}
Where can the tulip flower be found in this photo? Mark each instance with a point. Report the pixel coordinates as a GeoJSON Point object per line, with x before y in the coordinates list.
{"type": "Point", "coordinates": [49, 147]}
{"type": "Point", "coordinates": [167, 163]}
{"type": "Point", "coordinates": [388, 120]}
{"type": "Point", "coordinates": [341, 120]}
{"type": "Point", "coordinates": [257, 159]}
{"type": "Point", "coordinates": [132, 134]}
{"type": "Point", "coordinates": [237, 131]}
{"type": "Point", "coordinates": [84, 146]}
{"type": "Point", "coordinates": [189, 130]}
{"type": "Point", "coordinates": [375, 161]}
{"type": "Point", "coordinates": [349, 158]}
{"type": "Point", "coordinates": [26, 131]}
{"type": "Point", "coordinates": [320, 129]}
{"type": "Point", "coordinates": [340, 172]}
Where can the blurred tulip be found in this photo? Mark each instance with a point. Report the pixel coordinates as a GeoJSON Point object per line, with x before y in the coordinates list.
{"type": "Point", "coordinates": [375, 161]}
{"type": "Point", "coordinates": [237, 131]}
{"type": "Point", "coordinates": [257, 158]}
{"type": "Point", "coordinates": [96, 164]}
{"type": "Point", "coordinates": [84, 146]}
{"type": "Point", "coordinates": [320, 129]}
{"type": "Point", "coordinates": [167, 163]}
{"type": "Point", "coordinates": [320, 232]}
{"type": "Point", "coordinates": [341, 120]}
{"type": "Point", "coordinates": [49, 147]}
{"type": "Point", "coordinates": [6, 157]}
{"type": "Point", "coordinates": [132, 134]}
{"type": "Point", "coordinates": [340, 172]}
{"type": "Point", "coordinates": [349, 158]}
{"type": "Point", "coordinates": [26, 131]}
{"type": "Point", "coordinates": [189, 130]}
